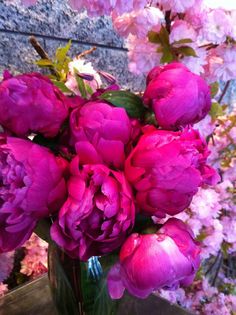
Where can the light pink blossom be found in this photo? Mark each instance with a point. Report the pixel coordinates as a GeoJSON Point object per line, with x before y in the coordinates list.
{"type": "Point", "coordinates": [206, 127]}
{"type": "Point", "coordinates": [179, 6]}
{"type": "Point", "coordinates": [34, 263]}
{"type": "Point", "coordinates": [80, 66]}
{"type": "Point", "coordinates": [182, 30]}
{"type": "Point", "coordinates": [217, 27]}
{"type": "Point", "coordinates": [221, 63]}
{"type": "Point", "coordinates": [138, 22]}
{"type": "Point", "coordinates": [142, 55]}
{"type": "Point", "coordinates": [3, 289]}
{"type": "Point", "coordinates": [6, 265]}
{"type": "Point", "coordinates": [213, 241]}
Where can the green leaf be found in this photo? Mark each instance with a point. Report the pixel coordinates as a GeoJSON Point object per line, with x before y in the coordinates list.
{"type": "Point", "coordinates": [81, 86]}
{"type": "Point", "coordinates": [201, 236]}
{"type": "Point", "coordinates": [153, 37]}
{"type": "Point", "coordinates": [164, 37]}
{"type": "Point", "coordinates": [150, 118]}
{"type": "Point", "coordinates": [44, 63]}
{"type": "Point", "coordinates": [131, 102]}
{"type": "Point", "coordinates": [46, 142]}
{"type": "Point", "coordinates": [145, 225]}
{"type": "Point", "coordinates": [61, 86]}
{"type": "Point", "coordinates": [187, 51]}
{"type": "Point", "coordinates": [214, 89]}
{"type": "Point", "coordinates": [160, 38]}
{"type": "Point", "coordinates": [61, 52]}
{"type": "Point", "coordinates": [88, 89]}
{"type": "Point", "coordinates": [167, 55]}
{"type": "Point", "coordinates": [182, 41]}
{"type": "Point", "coordinates": [43, 230]}
{"type": "Point", "coordinates": [216, 110]}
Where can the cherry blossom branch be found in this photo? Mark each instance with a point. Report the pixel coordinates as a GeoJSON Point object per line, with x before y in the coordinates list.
{"type": "Point", "coordinates": [42, 53]}
{"type": "Point", "coordinates": [218, 269]}
{"type": "Point", "coordinates": [168, 20]}
{"type": "Point", "coordinates": [86, 52]}
{"type": "Point", "coordinates": [224, 91]}
{"type": "Point", "coordinates": [38, 48]}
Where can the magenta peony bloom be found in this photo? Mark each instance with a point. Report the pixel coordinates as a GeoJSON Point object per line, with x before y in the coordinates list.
{"type": "Point", "coordinates": [166, 168]}
{"type": "Point", "coordinates": [98, 214]}
{"type": "Point", "coordinates": [177, 96]}
{"type": "Point", "coordinates": [32, 186]}
{"type": "Point", "coordinates": [100, 132]}
{"type": "Point", "coordinates": [31, 103]}
{"type": "Point", "coordinates": [166, 259]}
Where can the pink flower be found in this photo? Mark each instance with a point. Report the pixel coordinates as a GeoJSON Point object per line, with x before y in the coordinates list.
{"type": "Point", "coordinates": [217, 26]}
{"type": "Point", "coordinates": [79, 66]}
{"type": "Point", "coordinates": [138, 22]}
{"type": "Point", "coordinates": [31, 103]}
{"type": "Point", "coordinates": [3, 289]}
{"type": "Point", "coordinates": [29, 3]}
{"type": "Point", "coordinates": [206, 126]}
{"type": "Point", "coordinates": [166, 168]}
{"type": "Point", "coordinates": [182, 30]}
{"type": "Point", "coordinates": [213, 241]}
{"type": "Point", "coordinates": [142, 55]}
{"type": "Point", "coordinates": [6, 265]}
{"type": "Point", "coordinates": [177, 96]}
{"type": "Point", "coordinates": [197, 17]}
{"type": "Point", "coordinates": [166, 259]}
{"type": "Point", "coordinates": [98, 214]}
{"type": "Point", "coordinates": [32, 187]}
{"type": "Point", "coordinates": [34, 263]}
{"type": "Point", "coordinates": [101, 7]}
{"type": "Point", "coordinates": [94, 8]}
{"type": "Point", "coordinates": [179, 6]}
{"type": "Point", "coordinates": [100, 132]}
{"type": "Point", "coordinates": [221, 64]}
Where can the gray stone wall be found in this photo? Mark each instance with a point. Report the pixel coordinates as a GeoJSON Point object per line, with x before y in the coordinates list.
{"type": "Point", "coordinates": [54, 23]}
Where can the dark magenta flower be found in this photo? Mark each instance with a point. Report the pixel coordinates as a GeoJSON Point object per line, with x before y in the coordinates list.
{"type": "Point", "coordinates": [177, 96]}
{"type": "Point", "coordinates": [166, 259]}
{"type": "Point", "coordinates": [99, 133]}
{"type": "Point", "coordinates": [98, 214]}
{"type": "Point", "coordinates": [32, 187]}
{"type": "Point", "coordinates": [31, 103]}
{"type": "Point", "coordinates": [166, 168]}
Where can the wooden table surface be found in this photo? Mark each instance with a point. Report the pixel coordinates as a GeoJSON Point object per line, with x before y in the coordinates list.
{"type": "Point", "coordinates": [34, 298]}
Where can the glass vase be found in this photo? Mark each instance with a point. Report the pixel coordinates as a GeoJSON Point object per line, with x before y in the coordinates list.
{"type": "Point", "coordinates": [80, 289]}
{"type": "Point", "coordinates": [77, 287]}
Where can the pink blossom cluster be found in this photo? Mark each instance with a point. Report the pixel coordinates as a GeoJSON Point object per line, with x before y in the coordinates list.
{"type": "Point", "coordinates": [34, 263]}
{"type": "Point", "coordinates": [202, 298]}
{"type": "Point", "coordinates": [207, 29]}
{"type": "Point", "coordinates": [6, 265]}
{"type": "Point", "coordinates": [113, 175]}
{"type": "Point", "coordinates": [213, 211]}
{"type": "Point", "coordinates": [212, 218]}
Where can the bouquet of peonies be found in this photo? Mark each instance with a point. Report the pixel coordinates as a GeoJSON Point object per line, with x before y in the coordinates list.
{"type": "Point", "coordinates": [101, 169]}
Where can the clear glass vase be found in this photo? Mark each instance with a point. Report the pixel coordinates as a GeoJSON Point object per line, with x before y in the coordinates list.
{"type": "Point", "coordinates": [78, 289]}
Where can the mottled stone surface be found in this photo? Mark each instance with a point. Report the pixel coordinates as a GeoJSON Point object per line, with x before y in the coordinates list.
{"type": "Point", "coordinates": [55, 18]}
{"type": "Point", "coordinates": [53, 22]}
{"type": "Point", "coordinates": [17, 55]}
